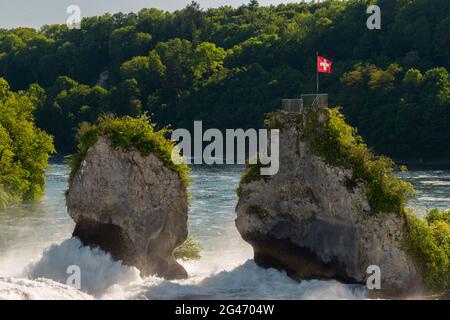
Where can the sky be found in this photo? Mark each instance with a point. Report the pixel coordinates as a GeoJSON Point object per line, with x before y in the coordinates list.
{"type": "Point", "coordinates": [36, 13]}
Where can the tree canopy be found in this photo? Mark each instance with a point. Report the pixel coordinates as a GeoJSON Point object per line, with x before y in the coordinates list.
{"type": "Point", "coordinates": [228, 66]}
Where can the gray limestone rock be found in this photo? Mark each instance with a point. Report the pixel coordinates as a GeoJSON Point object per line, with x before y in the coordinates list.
{"type": "Point", "coordinates": [130, 206]}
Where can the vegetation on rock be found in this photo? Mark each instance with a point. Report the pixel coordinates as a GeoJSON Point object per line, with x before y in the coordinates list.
{"type": "Point", "coordinates": [428, 242]}
{"type": "Point", "coordinates": [257, 210]}
{"type": "Point", "coordinates": [189, 250]}
{"type": "Point", "coordinates": [339, 145]}
{"type": "Point", "coordinates": [252, 171]}
{"type": "Point", "coordinates": [127, 133]}
{"type": "Point", "coordinates": [24, 149]}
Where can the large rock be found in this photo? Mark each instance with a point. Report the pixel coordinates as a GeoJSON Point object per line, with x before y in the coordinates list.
{"type": "Point", "coordinates": [130, 206]}
{"type": "Point", "coordinates": [305, 220]}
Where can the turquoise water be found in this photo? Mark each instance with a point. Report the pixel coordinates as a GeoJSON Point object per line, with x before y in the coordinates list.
{"type": "Point", "coordinates": [226, 269]}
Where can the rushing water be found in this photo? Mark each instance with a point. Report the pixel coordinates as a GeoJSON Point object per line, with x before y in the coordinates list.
{"type": "Point", "coordinates": [36, 248]}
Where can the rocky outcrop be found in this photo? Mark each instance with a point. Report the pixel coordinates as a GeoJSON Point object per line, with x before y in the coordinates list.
{"type": "Point", "coordinates": [307, 221]}
{"type": "Point", "coordinates": [130, 206]}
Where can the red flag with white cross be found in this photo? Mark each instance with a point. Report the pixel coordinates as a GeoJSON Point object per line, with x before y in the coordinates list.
{"type": "Point", "coordinates": [323, 65]}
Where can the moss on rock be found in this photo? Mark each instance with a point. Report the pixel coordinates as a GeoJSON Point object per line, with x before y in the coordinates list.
{"type": "Point", "coordinates": [257, 210]}
{"type": "Point", "coordinates": [251, 173]}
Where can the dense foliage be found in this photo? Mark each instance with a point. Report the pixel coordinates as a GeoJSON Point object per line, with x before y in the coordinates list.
{"type": "Point", "coordinates": [429, 244]}
{"type": "Point", "coordinates": [24, 149]}
{"type": "Point", "coordinates": [126, 133]}
{"type": "Point", "coordinates": [403, 113]}
{"type": "Point", "coordinates": [340, 145]}
{"type": "Point", "coordinates": [228, 66]}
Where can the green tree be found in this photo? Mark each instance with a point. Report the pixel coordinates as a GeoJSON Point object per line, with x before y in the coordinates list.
{"type": "Point", "coordinates": [24, 149]}
{"type": "Point", "coordinates": [147, 70]}
{"type": "Point", "coordinates": [125, 43]}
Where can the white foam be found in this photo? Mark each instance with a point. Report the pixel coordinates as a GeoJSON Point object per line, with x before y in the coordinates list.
{"type": "Point", "coordinates": [98, 270]}
{"type": "Point", "coordinates": [215, 276]}
{"type": "Point", "coordinates": [226, 270]}
{"type": "Point", "coordinates": [247, 281]}
{"type": "Point", "coordinates": [39, 289]}
{"type": "Point", "coordinates": [222, 276]}
{"type": "Point", "coordinates": [434, 199]}
{"type": "Point", "coordinates": [436, 182]}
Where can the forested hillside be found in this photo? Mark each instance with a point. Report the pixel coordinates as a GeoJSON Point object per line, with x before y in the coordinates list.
{"type": "Point", "coordinates": [228, 66]}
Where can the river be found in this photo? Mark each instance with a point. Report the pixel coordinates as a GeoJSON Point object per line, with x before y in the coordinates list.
{"type": "Point", "coordinates": [36, 248]}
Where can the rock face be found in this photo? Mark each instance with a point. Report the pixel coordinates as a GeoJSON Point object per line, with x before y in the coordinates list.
{"type": "Point", "coordinates": [304, 220]}
{"type": "Point", "coordinates": [130, 206]}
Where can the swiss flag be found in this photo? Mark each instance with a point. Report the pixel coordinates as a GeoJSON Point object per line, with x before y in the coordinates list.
{"type": "Point", "coordinates": [323, 65]}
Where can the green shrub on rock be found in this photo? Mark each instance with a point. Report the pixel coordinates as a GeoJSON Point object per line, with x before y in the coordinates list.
{"type": "Point", "coordinates": [252, 171]}
{"type": "Point", "coordinates": [428, 242]}
{"type": "Point", "coordinates": [340, 145]}
{"type": "Point", "coordinates": [438, 215]}
{"type": "Point", "coordinates": [189, 250]}
{"type": "Point", "coordinates": [127, 133]}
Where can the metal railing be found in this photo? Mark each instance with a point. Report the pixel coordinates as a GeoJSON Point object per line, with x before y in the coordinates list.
{"type": "Point", "coordinates": [292, 105]}
{"type": "Point", "coordinates": [315, 100]}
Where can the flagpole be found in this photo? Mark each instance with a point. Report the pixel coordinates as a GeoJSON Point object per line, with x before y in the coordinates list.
{"type": "Point", "coordinates": [317, 77]}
